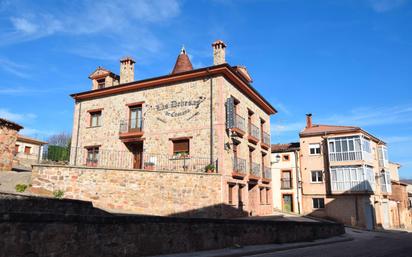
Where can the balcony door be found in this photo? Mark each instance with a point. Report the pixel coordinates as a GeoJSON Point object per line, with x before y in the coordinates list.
{"type": "Point", "coordinates": [135, 122]}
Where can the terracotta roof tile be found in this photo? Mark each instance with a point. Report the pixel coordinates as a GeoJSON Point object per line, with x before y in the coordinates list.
{"type": "Point", "coordinates": [285, 147]}
{"type": "Point", "coordinates": [327, 128]}
{"type": "Point", "coordinates": [182, 63]}
{"type": "Point", "coordinates": [12, 124]}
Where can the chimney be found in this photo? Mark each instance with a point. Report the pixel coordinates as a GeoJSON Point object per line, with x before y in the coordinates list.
{"type": "Point", "coordinates": [219, 52]}
{"type": "Point", "coordinates": [126, 69]}
{"type": "Point", "coordinates": [309, 120]}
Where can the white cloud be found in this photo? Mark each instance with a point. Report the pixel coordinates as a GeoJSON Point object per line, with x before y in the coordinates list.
{"type": "Point", "coordinates": [14, 68]}
{"type": "Point", "coordinates": [17, 117]}
{"type": "Point", "coordinates": [385, 5]}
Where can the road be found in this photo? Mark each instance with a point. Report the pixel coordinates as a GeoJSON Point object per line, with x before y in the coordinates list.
{"type": "Point", "coordinates": [365, 244]}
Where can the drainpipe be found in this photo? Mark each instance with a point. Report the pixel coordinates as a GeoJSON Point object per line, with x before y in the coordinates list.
{"type": "Point", "coordinates": [77, 136]}
{"type": "Point", "coordinates": [211, 120]}
{"type": "Point", "coordinates": [298, 180]}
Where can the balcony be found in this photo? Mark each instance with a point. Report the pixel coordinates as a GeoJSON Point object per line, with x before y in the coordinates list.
{"type": "Point", "coordinates": [352, 148]}
{"type": "Point", "coordinates": [352, 179]}
{"type": "Point", "coordinates": [267, 174]}
{"type": "Point", "coordinates": [254, 134]}
{"type": "Point", "coordinates": [239, 167]}
{"type": "Point", "coordinates": [285, 183]}
{"type": "Point", "coordinates": [345, 156]}
{"type": "Point", "coordinates": [130, 129]}
{"type": "Point", "coordinates": [265, 143]}
{"type": "Point", "coordinates": [239, 125]}
{"type": "Point", "coordinates": [255, 171]}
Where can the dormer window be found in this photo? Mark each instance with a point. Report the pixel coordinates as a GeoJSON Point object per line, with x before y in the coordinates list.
{"type": "Point", "coordinates": [101, 83]}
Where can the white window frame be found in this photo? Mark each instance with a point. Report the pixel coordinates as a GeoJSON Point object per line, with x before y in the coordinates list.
{"type": "Point", "coordinates": [315, 146]}
{"type": "Point", "coordinates": [317, 177]}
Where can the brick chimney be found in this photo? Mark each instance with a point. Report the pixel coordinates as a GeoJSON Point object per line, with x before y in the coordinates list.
{"type": "Point", "coordinates": [126, 69]}
{"type": "Point", "coordinates": [219, 52]}
{"type": "Point", "coordinates": [309, 120]}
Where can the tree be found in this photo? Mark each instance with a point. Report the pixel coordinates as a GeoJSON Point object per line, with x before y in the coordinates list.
{"type": "Point", "coordinates": [62, 139]}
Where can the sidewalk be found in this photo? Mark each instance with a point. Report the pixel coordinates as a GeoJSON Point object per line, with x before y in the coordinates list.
{"type": "Point", "coordinates": [259, 249]}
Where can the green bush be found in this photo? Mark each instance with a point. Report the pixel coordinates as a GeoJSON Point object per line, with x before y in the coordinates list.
{"type": "Point", "coordinates": [58, 194]}
{"type": "Point", "coordinates": [21, 188]}
{"type": "Point", "coordinates": [58, 153]}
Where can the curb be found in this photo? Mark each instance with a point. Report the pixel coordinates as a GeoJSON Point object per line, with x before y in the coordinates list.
{"type": "Point", "coordinates": [268, 249]}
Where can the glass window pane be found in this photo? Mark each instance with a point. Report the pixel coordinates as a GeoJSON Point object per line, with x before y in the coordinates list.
{"type": "Point", "coordinates": [338, 146]}
{"type": "Point", "coordinates": [351, 146]}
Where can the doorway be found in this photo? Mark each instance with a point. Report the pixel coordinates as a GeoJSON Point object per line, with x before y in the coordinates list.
{"type": "Point", "coordinates": [137, 149]}
{"type": "Point", "coordinates": [287, 205]}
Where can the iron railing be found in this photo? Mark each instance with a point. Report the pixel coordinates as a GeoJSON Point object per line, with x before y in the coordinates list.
{"type": "Point", "coordinates": [286, 183]}
{"type": "Point", "coordinates": [265, 138]}
{"type": "Point", "coordinates": [267, 173]}
{"type": "Point", "coordinates": [239, 165]}
{"type": "Point", "coordinates": [131, 125]}
{"type": "Point", "coordinates": [254, 131]}
{"type": "Point", "coordinates": [240, 122]}
{"type": "Point", "coordinates": [255, 169]}
{"type": "Point", "coordinates": [117, 159]}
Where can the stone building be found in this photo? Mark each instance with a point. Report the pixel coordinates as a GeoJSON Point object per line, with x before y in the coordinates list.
{"type": "Point", "coordinates": [8, 137]}
{"type": "Point", "coordinates": [285, 177]}
{"type": "Point", "coordinates": [28, 151]}
{"type": "Point", "coordinates": [192, 120]}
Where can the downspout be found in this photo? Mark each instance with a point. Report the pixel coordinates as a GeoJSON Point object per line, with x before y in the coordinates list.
{"type": "Point", "coordinates": [77, 136]}
{"type": "Point", "coordinates": [297, 167]}
{"type": "Point", "coordinates": [211, 120]}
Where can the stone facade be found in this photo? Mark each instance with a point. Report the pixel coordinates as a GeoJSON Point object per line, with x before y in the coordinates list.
{"type": "Point", "coordinates": [8, 138]}
{"type": "Point", "coordinates": [73, 228]}
{"type": "Point", "coordinates": [190, 105]}
{"type": "Point", "coordinates": [143, 192]}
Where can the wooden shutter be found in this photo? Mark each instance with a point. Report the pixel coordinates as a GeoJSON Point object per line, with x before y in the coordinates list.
{"type": "Point", "coordinates": [181, 145]}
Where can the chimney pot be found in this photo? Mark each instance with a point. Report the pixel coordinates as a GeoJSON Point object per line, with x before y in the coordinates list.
{"type": "Point", "coordinates": [219, 52]}
{"type": "Point", "coordinates": [126, 69]}
{"type": "Point", "coordinates": [309, 120]}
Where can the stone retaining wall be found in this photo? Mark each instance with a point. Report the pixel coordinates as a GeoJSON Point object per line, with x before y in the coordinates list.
{"type": "Point", "coordinates": [143, 192]}
{"type": "Point", "coordinates": [74, 230]}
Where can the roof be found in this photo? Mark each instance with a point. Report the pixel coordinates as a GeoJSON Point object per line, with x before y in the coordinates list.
{"type": "Point", "coordinates": [319, 129]}
{"type": "Point", "coordinates": [289, 147]}
{"type": "Point", "coordinates": [11, 124]}
{"type": "Point", "coordinates": [30, 140]}
{"type": "Point", "coordinates": [223, 69]}
{"type": "Point", "coordinates": [101, 72]}
{"type": "Point", "coordinates": [182, 63]}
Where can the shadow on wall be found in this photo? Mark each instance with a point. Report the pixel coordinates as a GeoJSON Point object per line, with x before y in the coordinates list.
{"type": "Point", "coordinates": [353, 207]}
{"type": "Point", "coordinates": [74, 228]}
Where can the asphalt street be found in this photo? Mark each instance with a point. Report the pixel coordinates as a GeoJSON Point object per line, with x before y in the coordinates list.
{"type": "Point", "coordinates": [365, 244]}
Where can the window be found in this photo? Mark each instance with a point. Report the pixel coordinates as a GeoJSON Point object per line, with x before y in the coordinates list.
{"type": "Point", "coordinates": [314, 149]}
{"type": "Point", "coordinates": [92, 156]}
{"type": "Point", "coordinates": [27, 149]}
{"type": "Point", "coordinates": [318, 203]}
{"type": "Point", "coordinates": [286, 180]}
{"type": "Point", "coordinates": [16, 148]}
{"type": "Point", "coordinates": [101, 83]}
{"type": "Point", "coordinates": [285, 157]}
{"type": "Point", "coordinates": [352, 178]}
{"type": "Point", "coordinates": [345, 148]}
{"type": "Point", "coordinates": [136, 120]}
{"type": "Point", "coordinates": [230, 194]}
{"type": "Point", "coordinates": [316, 176]}
{"type": "Point", "coordinates": [95, 118]}
{"type": "Point", "coordinates": [181, 147]}
{"type": "Point", "coordinates": [267, 196]}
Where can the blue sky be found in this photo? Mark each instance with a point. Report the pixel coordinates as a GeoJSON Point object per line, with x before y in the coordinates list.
{"type": "Point", "coordinates": [348, 62]}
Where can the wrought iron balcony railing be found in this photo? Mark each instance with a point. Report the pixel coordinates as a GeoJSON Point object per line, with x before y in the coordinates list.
{"type": "Point", "coordinates": [131, 125]}
{"type": "Point", "coordinates": [239, 166]}
{"type": "Point", "coordinates": [255, 169]}
{"type": "Point", "coordinates": [254, 131]}
{"type": "Point", "coordinates": [266, 138]}
{"type": "Point", "coordinates": [286, 183]}
{"type": "Point", "coordinates": [240, 122]}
